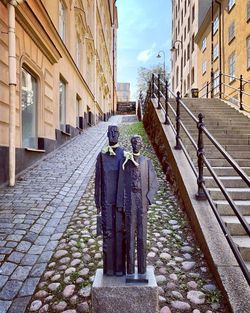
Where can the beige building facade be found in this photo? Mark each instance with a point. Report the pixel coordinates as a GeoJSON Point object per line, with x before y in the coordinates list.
{"type": "Point", "coordinates": [65, 74]}
{"type": "Point", "coordinates": [225, 52]}
{"type": "Point", "coordinates": [186, 19]}
{"type": "Point", "coordinates": [123, 92]}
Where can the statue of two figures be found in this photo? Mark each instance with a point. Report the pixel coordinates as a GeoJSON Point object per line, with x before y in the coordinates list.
{"type": "Point", "coordinates": [125, 185]}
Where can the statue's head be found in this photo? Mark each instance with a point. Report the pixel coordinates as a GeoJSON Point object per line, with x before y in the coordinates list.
{"type": "Point", "coordinates": [113, 134]}
{"type": "Point", "coordinates": [136, 142]}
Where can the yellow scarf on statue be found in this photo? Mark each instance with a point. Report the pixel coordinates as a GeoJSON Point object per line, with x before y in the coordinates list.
{"type": "Point", "coordinates": [109, 149]}
{"type": "Point", "coordinates": [130, 156]}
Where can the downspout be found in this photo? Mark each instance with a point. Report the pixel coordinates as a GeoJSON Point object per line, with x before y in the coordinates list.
{"type": "Point", "coordinates": [12, 90]}
{"type": "Point", "coordinates": [212, 51]}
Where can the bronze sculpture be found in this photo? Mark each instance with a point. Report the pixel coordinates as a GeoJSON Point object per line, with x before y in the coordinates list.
{"type": "Point", "coordinates": [106, 182]}
{"type": "Point", "coordinates": [136, 189]}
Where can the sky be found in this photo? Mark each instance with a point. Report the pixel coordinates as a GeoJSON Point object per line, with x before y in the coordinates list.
{"type": "Point", "coordinates": [144, 29]}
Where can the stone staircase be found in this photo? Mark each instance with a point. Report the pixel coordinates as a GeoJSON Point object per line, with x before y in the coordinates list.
{"type": "Point", "coordinates": [232, 130]}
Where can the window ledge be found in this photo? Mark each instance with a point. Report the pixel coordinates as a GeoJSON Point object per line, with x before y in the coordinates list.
{"type": "Point", "coordinates": [231, 40]}
{"type": "Point", "coordinates": [34, 150]}
{"type": "Point", "coordinates": [232, 81]}
{"type": "Point", "coordinates": [66, 134]}
{"type": "Point", "coordinates": [229, 10]}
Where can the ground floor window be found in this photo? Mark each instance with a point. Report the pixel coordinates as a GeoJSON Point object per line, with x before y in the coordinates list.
{"type": "Point", "coordinates": [62, 105]}
{"type": "Point", "coordinates": [29, 109]}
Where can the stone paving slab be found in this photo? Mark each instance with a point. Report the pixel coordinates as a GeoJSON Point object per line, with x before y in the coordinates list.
{"type": "Point", "coordinates": [35, 213]}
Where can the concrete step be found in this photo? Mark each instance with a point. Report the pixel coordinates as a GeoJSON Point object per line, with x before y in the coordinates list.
{"type": "Point", "coordinates": [248, 265]}
{"type": "Point", "coordinates": [214, 153]}
{"type": "Point", "coordinates": [226, 171]}
{"type": "Point", "coordinates": [234, 226]}
{"type": "Point", "coordinates": [225, 209]}
{"type": "Point", "coordinates": [243, 242]}
{"type": "Point", "coordinates": [235, 193]}
{"type": "Point", "coordinates": [223, 162]}
{"type": "Point", "coordinates": [228, 181]}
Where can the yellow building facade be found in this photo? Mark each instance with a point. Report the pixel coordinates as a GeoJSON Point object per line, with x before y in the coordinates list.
{"type": "Point", "coordinates": [65, 73]}
{"type": "Point", "coordinates": [226, 53]}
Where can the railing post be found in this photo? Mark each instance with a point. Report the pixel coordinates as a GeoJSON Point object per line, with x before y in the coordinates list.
{"type": "Point", "coordinates": [207, 89]}
{"type": "Point", "coordinates": [159, 91]}
{"type": "Point", "coordinates": [166, 104]}
{"type": "Point", "coordinates": [200, 155]}
{"type": "Point", "coordinates": [220, 82]}
{"type": "Point", "coordinates": [241, 92]}
{"type": "Point", "coordinates": [212, 84]}
{"type": "Point", "coordinates": [153, 85]}
{"type": "Point", "coordinates": [178, 124]}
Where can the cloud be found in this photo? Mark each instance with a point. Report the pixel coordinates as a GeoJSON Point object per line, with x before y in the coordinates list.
{"type": "Point", "coordinates": [145, 55]}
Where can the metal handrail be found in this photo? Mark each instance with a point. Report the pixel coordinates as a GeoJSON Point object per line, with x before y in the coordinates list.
{"type": "Point", "coordinates": [203, 160]}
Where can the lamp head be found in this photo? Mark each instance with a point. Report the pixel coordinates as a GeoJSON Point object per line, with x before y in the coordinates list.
{"type": "Point", "coordinates": [158, 55]}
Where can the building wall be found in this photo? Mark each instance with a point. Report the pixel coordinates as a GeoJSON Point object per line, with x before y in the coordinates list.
{"type": "Point", "coordinates": [123, 92]}
{"type": "Point", "coordinates": [237, 45]}
{"type": "Point", "coordinates": [186, 16]}
{"type": "Point", "coordinates": [84, 61]}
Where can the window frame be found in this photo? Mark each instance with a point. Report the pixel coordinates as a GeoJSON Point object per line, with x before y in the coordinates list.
{"type": "Point", "coordinates": [216, 24]}
{"type": "Point", "coordinates": [248, 52]}
{"type": "Point", "coordinates": [204, 44]}
{"type": "Point", "coordinates": [231, 65]}
{"type": "Point", "coordinates": [231, 34]}
{"type": "Point", "coordinates": [230, 5]}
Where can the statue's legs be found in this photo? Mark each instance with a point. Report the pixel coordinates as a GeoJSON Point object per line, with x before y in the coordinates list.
{"type": "Point", "coordinates": [108, 240]}
{"type": "Point", "coordinates": [119, 244]}
{"type": "Point", "coordinates": [141, 239]}
{"type": "Point", "coordinates": [130, 235]}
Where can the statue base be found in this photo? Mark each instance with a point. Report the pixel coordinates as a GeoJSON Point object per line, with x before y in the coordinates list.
{"type": "Point", "coordinates": [111, 294]}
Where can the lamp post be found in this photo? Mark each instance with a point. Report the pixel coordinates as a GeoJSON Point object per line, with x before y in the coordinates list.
{"type": "Point", "coordinates": [164, 62]}
{"type": "Point", "coordinates": [174, 49]}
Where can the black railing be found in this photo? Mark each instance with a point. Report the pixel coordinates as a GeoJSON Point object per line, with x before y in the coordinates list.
{"type": "Point", "coordinates": [202, 193]}
{"type": "Point", "coordinates": [216, 89]}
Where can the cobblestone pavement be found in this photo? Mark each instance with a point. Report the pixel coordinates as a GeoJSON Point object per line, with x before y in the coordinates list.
{"type": "Point", "coordinates": [36, 212]}
{"type": "Point", "coordinates": [185, 283]}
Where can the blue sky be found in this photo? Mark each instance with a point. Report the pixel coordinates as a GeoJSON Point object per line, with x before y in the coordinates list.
{"type": "Point", "coordinates": [144, 30]}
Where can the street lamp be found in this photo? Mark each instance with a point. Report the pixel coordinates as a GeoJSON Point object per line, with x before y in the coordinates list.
{"type": "Point", "coordinates": [164, 59]}
{"type": "Point", "coordinates": [174, 49]}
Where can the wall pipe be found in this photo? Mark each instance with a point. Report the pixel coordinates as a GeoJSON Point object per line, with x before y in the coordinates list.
{"type": "Point", "coordinates": [12, 89]}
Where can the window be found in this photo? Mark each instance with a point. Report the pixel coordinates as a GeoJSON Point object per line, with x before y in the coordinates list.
{"type": "Point", "coordinates": [204, 44]}
{"type": "Point", "coordinates": [204, 67]}
{"type": "Point", "coordinates": [62, 105]}
{"type": "Point", "coordinates": [189, 23]}
{"type": "Point", "coordinates": [78, 52]}
{"type": "Point", "coordinates": [193, 43]}
{"type": "Point", "coordinates": [216, 24]}
{"type": "Point", "coordinates": [231, 66]}
{"type": "Point", "coordinates": [61, 20]}
{"type": "Point", "coordinates": [185, 33]}
{"type": "Point", "coordinates": [193, 13]}
{"type": "Point", "coordinates": [78, 109]}
{"type": "Point", "coordinates": [192, 76]}
{"type": "Point", "coordinates": [184, 58]}
{"type": "Point", "coordinates": [216, 82]}
{"type": "Point", "coordinates": [216, 52]}
{"type": "Point", "coordinates": [177, 76]}
{"type": "Point", "coordinates": [188, 51]}
{"type": "Point", "coordinates": [231, 3]}
{"type": "Point", "coordinates": [231, 32]}
{"type": "Point", "coordinates": [248, 52]}
{"type": "Point", "coordinates": [29, 109]}
{"type": "Point", "coordinates": [248, 10]}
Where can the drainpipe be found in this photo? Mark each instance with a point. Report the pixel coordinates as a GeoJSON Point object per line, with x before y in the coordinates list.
{"type": "Point", "coordinates": [12, 89]}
